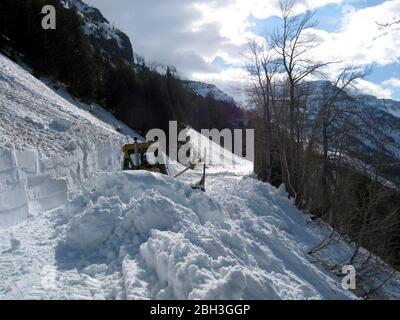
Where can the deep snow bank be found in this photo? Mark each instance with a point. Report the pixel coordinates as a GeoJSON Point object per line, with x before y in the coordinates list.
{"type": "Point", "coordinates": [32, 183]}
{"type": "Point", "coordinates": [49, 143]}
{"type": "Point", "coordinates": [174, 242]}
{"type": "Point", "coordinates": [13, 198]}
{"type": "Point", "coordinates": [110, 205]}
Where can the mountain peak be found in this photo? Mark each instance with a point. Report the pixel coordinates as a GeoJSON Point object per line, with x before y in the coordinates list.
{"type": "Point", "coordinates": [101, 33]}
{"type": "Point", "coordinates": [206, 89]}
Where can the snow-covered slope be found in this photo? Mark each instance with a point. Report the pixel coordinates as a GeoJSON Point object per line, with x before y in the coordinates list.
{"type": "Point", "coordinates": [386, 105]}
{"type": "Point", "coordinates": [85, 230]}
{"type": "Point", "coordinates": [48, 144]}
{"type": "Point", "coordinates": [205, 89]}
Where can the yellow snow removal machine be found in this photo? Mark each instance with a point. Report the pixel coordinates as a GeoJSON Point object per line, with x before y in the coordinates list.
{"type": "Point", "coordinates": [137, 157]}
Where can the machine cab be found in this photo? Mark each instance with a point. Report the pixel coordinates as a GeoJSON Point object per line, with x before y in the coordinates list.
{"type": "Point", "coordinates": [138, 157]}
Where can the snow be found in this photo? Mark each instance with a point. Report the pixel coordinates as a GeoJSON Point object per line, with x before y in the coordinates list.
{"type": "Point", "coordinates": [217, 158]}
{"type": "Point", "coordinates": [387, 105]}
{"type": "Point", "coordinates": [74, 226]}
{"type": "Point", "coordinates": [205, 89]}
{"type": "Point", "coordinates": [100, 29]}
{"type": "Point", "coordinates": [382, 136]}
{"type": "Point", "coordinates": [48, 145]}
{"type": "Point", "coordinates": [178, 243]}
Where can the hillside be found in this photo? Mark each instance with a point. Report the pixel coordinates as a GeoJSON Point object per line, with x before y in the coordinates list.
{"type": "Point", "coordinates": [378, 120]}
{"type": "Point", "coordinates": [48, 143]}
{"type": "Point", "coordinates": [75, 227]}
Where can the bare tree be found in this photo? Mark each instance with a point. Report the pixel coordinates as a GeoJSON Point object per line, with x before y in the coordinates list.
{"type": "Point", "coordinates": [262, 69]}
{"type": "Point", "coordinates": [335, 122]}
{"type": "Point", "coordinates": [311, 145]}
{"type": "Point", "coordinates": [293, 44]}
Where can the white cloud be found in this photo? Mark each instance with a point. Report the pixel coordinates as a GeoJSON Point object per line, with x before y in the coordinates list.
{"type": "Point", "coordinates": [370, 88]}
{"type": "Point", "coordinates": [392, 82]}
{"type": "Point", "coordinates": [190, 34]}
{"type": "Point", "coordinates": [361, 40]}
{"type": "Point", "coordinates": [168, 30]}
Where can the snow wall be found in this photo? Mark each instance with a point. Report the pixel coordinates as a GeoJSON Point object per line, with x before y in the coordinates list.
{"type": "Point", "coordinates": [31, 182]}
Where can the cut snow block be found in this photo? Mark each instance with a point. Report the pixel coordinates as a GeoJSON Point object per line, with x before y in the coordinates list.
{"type": "Point", "coordinates": [45, 193]}
{"type": "Point", "coordinates": [13, 206]}
{"type": "Point", "coordinates": [7, 161]}
{"type": "Point", "coordinates": [27, 161]}
{"type": "Point", "coordinates": [13, 202]}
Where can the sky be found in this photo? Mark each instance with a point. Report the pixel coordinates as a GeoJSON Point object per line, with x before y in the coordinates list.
{"type": "Point", "coordinates": [206, 40]}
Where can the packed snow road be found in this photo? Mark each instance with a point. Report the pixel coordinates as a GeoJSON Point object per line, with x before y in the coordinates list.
{"type": "Point", "coordinates": [144, 236]}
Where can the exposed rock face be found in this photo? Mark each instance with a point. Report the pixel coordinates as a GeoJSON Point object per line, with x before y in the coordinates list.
{"type": "Point", "coordinates": [113, 43]}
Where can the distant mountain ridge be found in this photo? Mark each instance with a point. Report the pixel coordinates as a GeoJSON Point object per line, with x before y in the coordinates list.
{"type": "Point", "coordinates": [206, 89]}
{"type": "Point", "coordinates": [379, 120]}
{"type": "Point", "coordinates": [384, 104]}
